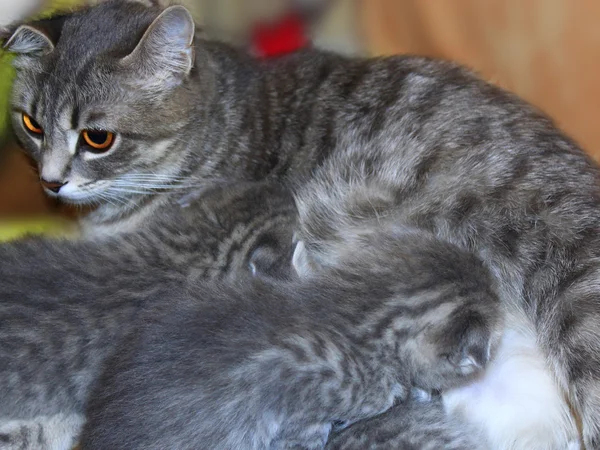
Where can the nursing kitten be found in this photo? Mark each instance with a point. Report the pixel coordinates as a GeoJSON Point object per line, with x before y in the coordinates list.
{"type": "Point", "coordinates": [411, 425]}
{"type": "Point", "coordinates": [122, 104]}
{"type": "Point", "coordinates": [262, 365]}
{"type": "Point", "coordinates": [64, 306]}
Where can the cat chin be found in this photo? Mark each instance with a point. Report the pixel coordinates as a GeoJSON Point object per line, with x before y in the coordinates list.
{"type": "Point", "coordinates": [72, 195]}
{"type": "Point", "coordinates": [517, 403]}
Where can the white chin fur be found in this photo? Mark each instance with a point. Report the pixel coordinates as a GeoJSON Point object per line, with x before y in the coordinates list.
{"type": "Point", "coordinates": [517, 403]}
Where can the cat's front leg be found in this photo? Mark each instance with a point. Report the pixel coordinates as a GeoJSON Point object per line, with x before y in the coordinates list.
{"type": "Point", "coordinates": [56, 432]}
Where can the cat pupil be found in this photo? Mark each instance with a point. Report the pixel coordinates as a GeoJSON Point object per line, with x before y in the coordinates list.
{"type": "Point", "coordinates": [98, 140]}
{"type": "Point", "coordinates": [31, 125]}
{"type": "Point", "coordinates": [34, 123]}
{"type": "Point", "coordinates": [98, 137]}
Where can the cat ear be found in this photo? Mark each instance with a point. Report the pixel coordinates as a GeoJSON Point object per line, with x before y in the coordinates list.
{"type": "Point", "coordinates": [269, 263]}
{"type": "Point", "coordinates": [474, 350]}
{"type": "Point", "coordinates": [28, 40]}
{"type": "Point", "coordinates": [165, 52]}
{"type": "Point", "coordinates": [271, 259]}
{"type": "Point", "coordinates": [301, 261]}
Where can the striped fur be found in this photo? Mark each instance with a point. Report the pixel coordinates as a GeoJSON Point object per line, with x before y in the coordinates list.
{"type": "Point", "coordinates": [420, 142]}
{"type": "Point", "coordinates": [64, 306]}
{"type": "Point", "coordinates": [274, 365]}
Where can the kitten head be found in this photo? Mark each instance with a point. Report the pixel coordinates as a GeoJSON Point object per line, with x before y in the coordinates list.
{"type": "Point", "coordinates": [445, 316]}
{"type": "Point", "coordinates": [101, 97]}
{"type": "Point", "coordinates": [234, 228]}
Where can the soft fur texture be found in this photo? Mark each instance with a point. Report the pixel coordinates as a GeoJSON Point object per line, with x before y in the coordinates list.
{"type": "Point", "coordinates": [413, 425]}
{"type": "Point", "coordinates": [405, 140]}
{"type": "Point", "coordinates": [275, 365]}
{"type": "Point", "coordinates": [64, 306]}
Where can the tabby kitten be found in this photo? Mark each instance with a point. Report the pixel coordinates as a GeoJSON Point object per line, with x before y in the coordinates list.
{"type": "Point", "coordinates": [65, 305]}
{"type": "Point", "coordinates": [123, 103]}
{"type": "Point", "coordinates": [411, 425]}
{"type": "Point", "coordinates": [260, 365]}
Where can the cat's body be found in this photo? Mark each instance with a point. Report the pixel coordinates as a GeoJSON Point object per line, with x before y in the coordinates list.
{"type": "Point", "coordinates": [426, 143]}
{"type": "Point", "coordinates": [64, 306]}
{"type": "Point", "coordinates": [258, 365]}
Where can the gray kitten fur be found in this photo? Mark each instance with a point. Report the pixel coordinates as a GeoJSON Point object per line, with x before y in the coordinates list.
{"type": "Point", "coordinates": [441, 150]}
{"type": "Point", "coordinates": [65, 305]}
{"type": "Point", "coordinates": [414, 425]}
{"type": "Point", "coordinates": [259, 365]}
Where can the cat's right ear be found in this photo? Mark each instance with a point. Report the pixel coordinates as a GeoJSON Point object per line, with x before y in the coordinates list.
{"type": "Point", "coordinates": [27, 40]}
{"type": "Point", "coordinates": [165, 52]}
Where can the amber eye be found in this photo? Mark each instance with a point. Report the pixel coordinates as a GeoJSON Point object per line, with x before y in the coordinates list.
{"type": "Point", "coordinates": [31, 125]}
{"type": "Point", "coordinates": [98, 140]}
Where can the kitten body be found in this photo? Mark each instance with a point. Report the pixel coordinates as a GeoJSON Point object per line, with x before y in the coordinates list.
{"type": "Point", "coordinates": [262, 365]}
{"type": "Point", "coordinates": [519, 403]}
{"type": "Point", "coordinates": [408, 140]}
{"type": "Point", "coordinates": [413, 425]}
{"type": "Point", "coordinates": [64, 306]}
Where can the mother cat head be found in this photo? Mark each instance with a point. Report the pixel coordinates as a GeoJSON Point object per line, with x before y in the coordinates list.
{"type": "Point", "coordinates": [101, 95]}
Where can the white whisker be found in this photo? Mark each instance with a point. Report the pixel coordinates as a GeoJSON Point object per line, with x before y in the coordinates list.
{"type": "Point", "coordinates": [116, 190]}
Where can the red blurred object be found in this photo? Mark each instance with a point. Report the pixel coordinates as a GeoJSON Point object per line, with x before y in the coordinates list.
{"type": "Point", "coordinates": [276, 39]}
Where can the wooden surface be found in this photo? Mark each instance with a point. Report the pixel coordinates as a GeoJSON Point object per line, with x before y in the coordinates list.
{"type": "Point", "coordinates": [547, 51]}
{"type": "Point", "coordinates": [20, 191]}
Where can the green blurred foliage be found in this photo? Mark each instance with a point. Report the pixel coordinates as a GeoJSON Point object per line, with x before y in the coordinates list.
{"type": "Point", "coordinates": [10, 230]}
{"type": "Point", "coordinates": [6, 75]}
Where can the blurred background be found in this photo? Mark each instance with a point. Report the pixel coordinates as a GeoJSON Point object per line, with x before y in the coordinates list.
{"type": "Point", "coordinates": [544, 50]}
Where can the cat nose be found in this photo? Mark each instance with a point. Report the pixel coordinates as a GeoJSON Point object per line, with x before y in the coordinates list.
{"type": "Point", "coordinates": [53, 186]}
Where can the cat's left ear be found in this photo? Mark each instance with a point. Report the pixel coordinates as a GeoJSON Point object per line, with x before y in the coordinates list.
{"type": "Point", "coordinates": [166, 52]}
{"type": "Point", "coordinates": [27, 40]}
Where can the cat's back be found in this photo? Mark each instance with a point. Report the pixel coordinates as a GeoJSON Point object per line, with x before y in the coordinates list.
{"type": "Point", "coordinates": [405, 119]}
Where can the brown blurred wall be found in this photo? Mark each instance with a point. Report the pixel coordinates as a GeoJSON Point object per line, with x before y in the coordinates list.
{"type": "Point", "coordinates": [547, 51]}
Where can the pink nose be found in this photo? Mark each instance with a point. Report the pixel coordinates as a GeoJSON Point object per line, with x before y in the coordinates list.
{"type": "Point", "coordinates": [53, 186]}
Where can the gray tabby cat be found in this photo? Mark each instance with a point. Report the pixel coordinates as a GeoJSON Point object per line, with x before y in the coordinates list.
{"type": "Point", "coordinates": [65, 305]}
{"type": "Point", "coordinates": [262, 365]}
{"type": "Point", "coordinates": [123, 103]}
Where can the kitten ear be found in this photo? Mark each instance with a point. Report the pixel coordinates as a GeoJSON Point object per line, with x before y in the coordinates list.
{"type": "Point", "coordinates": [474, 350]}
{"type": "Point", "coordinates": [272, 257]}
{"type": "Point", "coordinates": [165, 52]}
{"type": "Point", "coordinates": [301, 261]}
{"type": "Point", "coordinates": [269, 263]}
{"type": "Point", "coordinates": [28, 40]}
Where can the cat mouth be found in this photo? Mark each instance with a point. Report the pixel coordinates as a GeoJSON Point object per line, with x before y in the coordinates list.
{"type": "Point", "coordinates": [72, 194]}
